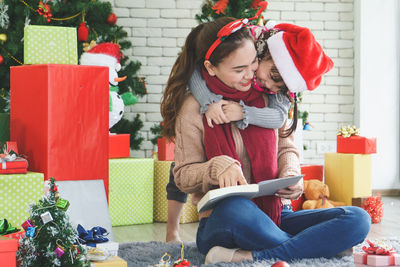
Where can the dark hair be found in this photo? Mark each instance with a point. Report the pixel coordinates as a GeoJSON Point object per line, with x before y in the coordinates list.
{"type": "Point", "coordinates": [263, 53]}
{"type": "Point", "coordinates": [196, 46]}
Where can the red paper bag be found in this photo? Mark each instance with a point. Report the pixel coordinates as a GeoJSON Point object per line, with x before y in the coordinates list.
{"type": "Point", "coordinates": [59, 117]}
{"type": "Point", "coordinates": [119, 146]}
{"type": "Point", "coordinates": [165, 149]}
{"type": "Point", "coordinates": [310, 172]}
{"type": "Point", "coordinates": [356, 145]}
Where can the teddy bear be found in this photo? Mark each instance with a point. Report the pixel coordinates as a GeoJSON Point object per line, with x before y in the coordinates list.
{"type": "Point", "coordinates": [316, 194]}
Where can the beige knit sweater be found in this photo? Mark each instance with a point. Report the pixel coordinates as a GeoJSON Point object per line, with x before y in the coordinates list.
{"type": "Point", "coordinates": [194, 174]}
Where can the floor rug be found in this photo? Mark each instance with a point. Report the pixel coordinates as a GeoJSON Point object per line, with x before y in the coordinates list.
{"type": "Point", "coordinates": [146, 254]}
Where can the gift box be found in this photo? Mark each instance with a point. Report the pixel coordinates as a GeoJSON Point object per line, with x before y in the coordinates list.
{"type": "Point", "coordinates": [131, 191]}
{"type": "Point", "coordinates": [8, 250]}
{"type": "Point", "coordinates": [17, 192]}
{"type": "Point", "coordinates": [112, 262]}
{"type": "Point", "coordinates": [310, 172]}
{"type": "Point", "coordinates": [65, 134]}
{"type": "Point", "coordinates": [165, 149]}
{"type": "Point", "coordinates": [119, 145]}
{"type": "Point", "coordinates": [348, 176]}
{"type": "Point", "coordinates": [50, 44]}
{"type": "Point", "coordinates": [376, 260]}
{"type": "Point", "coordinates": [189, 212]}
{"type": "Point", "coordinates": [16, 235]}
{"type": "Point", "coordinates": [111, 247]}
{"type": "Point", "coordinates": [356, 144]}
{"type": "Point", "coordinates": [358, 201]}
{"type": "Point", "coordinates": [17, 166]}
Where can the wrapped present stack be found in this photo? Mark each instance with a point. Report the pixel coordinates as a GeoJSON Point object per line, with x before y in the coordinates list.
{"type": "Point", "coordinates": [348, 172]}
{"type": "Point", "coordinates": [162, 168]}
{"type": "Point", "coordinates": [310, 172]}
{"type": "Point", "coordinates": [377, 253]}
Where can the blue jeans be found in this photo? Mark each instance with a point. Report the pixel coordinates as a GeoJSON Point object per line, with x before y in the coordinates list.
{"type": "Point", "coordinates": [237, 222]}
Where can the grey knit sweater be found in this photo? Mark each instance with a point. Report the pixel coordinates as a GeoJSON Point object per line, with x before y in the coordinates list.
{"type": "Point", "coordinates": [273, 116]}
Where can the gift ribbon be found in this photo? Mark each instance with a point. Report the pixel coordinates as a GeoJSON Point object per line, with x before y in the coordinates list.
{"type": "Point", "coordinates": [347, 131]}
{"type": "Point", "coordinates": [4, 160]}
{"type": "Point", "coordinates": [6, 228]}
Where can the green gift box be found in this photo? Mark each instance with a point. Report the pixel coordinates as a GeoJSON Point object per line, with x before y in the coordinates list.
{"type": "Point", "coordinates": [131, 191]}
{"type": "Point", "coordinates": [17, 192]}
{"type": "Point", "coordinates": [50, 44]}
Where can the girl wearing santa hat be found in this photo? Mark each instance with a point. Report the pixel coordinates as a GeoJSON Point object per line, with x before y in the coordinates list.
{"type": "Point", "coordinates": [238, 229]}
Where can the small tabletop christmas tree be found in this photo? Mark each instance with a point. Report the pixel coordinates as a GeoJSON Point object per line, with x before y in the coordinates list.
{"type": "Point", "coordinates": [50, 238]}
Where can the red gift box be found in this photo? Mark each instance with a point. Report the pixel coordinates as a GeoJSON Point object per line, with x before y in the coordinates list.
{"type": "Point", "coordinates": [119, 146]}
{"type": "Point", "coordinates": [165, 149]}
{"type": "Point", "coordinates": [356, 144]}
{"type": "Point", "coordinates": [17, 166]}
{"type": "Point", "coordinates": [59, 117]}
{"type": "Point", "coordinates": [377, 260]}
{"type": "Point", "coordinates": [310, 172]}
{"type": "Point", "coordinates": [8, 250]}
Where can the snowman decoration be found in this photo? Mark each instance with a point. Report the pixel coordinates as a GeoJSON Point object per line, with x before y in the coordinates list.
{"type": "Point", "coordinates": [109, 55]}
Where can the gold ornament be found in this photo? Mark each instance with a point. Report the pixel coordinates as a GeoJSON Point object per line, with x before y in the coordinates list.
{"type": "Point", "coordinates": [3, 37]}
{"type": "Point", "coordinates": [88, 46]}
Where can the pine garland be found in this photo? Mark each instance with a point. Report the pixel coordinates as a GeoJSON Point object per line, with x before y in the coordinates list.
{"type": "Point", "coordinates": [213, 9]}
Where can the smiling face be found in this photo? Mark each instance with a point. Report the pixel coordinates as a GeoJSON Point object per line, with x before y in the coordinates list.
{"type": "Point", "coordinates": [237, 69]}
{"type": "Point", "coordinates": [268, 76]}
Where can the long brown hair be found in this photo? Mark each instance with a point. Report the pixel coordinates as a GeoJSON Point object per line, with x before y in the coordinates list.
{"type": "Point", "coordinates": [197, 43]}
{"type": "Point", "coordinates": [263, 53]}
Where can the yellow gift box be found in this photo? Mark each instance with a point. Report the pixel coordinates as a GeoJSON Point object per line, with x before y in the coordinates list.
{"type": "Point", "coordinates": [348, 176]}
{"type": "Point", "coordinates": [161, 178]}
{"type": "Point", "coordinates": [113, 262]}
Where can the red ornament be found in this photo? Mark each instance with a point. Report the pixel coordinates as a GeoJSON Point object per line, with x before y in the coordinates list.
{"type": "Point", "coordinates": [112, 19]}
{"type": "Point", "coordinates": [55, 189]}
{"type": "Point", "coordinates": [280, 264]}
{"type": "Point", "coordinates": [220, 6]}
{"type": "Point", "coordinates": [374, 206]}
{"type": "Point", "coordinates": [44, 10]}
{"type": "Point", "coordinates": [1, 59]}
{"type": "Point", "coordinates": [83, 32]}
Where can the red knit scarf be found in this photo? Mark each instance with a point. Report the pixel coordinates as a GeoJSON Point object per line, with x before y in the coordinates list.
{"type": "Point", "coordinates": [260, 143]}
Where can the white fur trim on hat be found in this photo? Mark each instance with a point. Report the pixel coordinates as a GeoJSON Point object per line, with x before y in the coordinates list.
{"type": "Point", "coordinates": [95, 59]}
{"type": "Point", "coordinates": [284, 62]}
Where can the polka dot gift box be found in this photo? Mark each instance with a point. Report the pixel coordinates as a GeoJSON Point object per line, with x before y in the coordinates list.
{"type": "Point", "coordinates": [131, 191]}
{"type": "Point", "coordinates": [17, 192]}
{"type": "Point", "coordinates": [161, 178]}
{"type": "Point", "coordinates": [50, 44]}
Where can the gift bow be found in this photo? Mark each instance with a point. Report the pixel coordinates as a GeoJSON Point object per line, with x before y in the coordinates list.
{"type": "Point", "coordinates": [6, 227]}
{"type": "Point", "coordinates": [3, 160]}
{"type": "Point", "coordinates": [378, 248]}
{"type": "Point", "coordinates": [347, 131]}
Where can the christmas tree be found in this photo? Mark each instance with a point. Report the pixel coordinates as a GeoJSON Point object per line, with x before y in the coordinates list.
{"type": "Point", "coordinates": [213, 9]}
{"type": "Point", "coordinates": [95, 22]}
{"type": "Point", "coordinates": [50, 238]}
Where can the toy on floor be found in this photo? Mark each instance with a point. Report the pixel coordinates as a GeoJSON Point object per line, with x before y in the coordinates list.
{"type": "Point", "coordinates": [317, 194]}
{"type": "Point", "coordinates": [280, 264]}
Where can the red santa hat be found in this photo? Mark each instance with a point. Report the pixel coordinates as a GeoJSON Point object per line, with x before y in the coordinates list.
{"type": "Point", "coordinates": [108, 53]}
{"type": "Point", "coordinates": [298, 57]}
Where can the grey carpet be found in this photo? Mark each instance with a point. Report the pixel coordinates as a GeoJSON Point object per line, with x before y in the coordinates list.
{"type": "Point", "coordinates": [145, 254]}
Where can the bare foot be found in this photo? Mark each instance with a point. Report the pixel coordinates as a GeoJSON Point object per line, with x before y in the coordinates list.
{"type": "Point", "coordinates": [173, 237]}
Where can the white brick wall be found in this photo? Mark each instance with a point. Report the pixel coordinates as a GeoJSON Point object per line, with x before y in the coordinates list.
{"type": "Point", "coordinates": [157, 29]}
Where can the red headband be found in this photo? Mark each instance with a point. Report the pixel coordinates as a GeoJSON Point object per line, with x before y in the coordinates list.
{"type": "Point", "coordinates": [233, 27]}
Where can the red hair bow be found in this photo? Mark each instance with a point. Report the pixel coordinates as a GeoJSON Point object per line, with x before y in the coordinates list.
{"type": "Point", "coordinates": [233, 27]}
